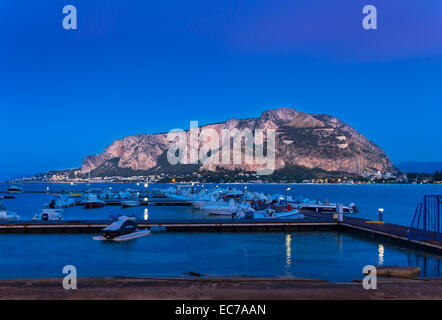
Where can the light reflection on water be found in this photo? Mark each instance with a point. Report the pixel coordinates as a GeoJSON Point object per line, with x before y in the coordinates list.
{"type": "Point", "coordinates": [381, 255]}
{"type": "Point", "coordinates": [288, 242]}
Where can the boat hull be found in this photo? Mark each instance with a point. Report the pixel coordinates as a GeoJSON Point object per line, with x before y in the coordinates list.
{"type": "Point", "coordinates": [324, 209]}
{"type": "Point", "coordinates": [126, 237]}
{"type": "Point", "coordinates": [94, 205]}
{"type": "Point", "coordinates": [15, 191]}
{"type": "Point", "coordinates": [130, 204]}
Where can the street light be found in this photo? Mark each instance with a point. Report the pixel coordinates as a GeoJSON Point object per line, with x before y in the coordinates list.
{"type": "Point", "coordinates": [381, 214]}
{"type": "Point", "coordinates": [286, 197]}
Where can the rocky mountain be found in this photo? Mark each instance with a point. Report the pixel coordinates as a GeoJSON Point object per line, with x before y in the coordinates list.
{"type": "Point", "coordinates": [310, 140]}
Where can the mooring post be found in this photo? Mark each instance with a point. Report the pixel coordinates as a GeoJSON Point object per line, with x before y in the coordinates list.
{"type": "Point", "coordinates": [340, 211]}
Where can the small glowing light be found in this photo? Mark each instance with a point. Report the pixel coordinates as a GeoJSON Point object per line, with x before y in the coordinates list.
{"type": "Point", "coordinates": [288, 189]}
{"type": "Point", "coordinates": [47, 188]}
{"type": "Point", "coordinates": [146, 185]}
{"type": "Point", "coordinates": [146, 199]}
{"type": "Point", "coordinates": [146, 214]}
{"type": "Point", "coordinates": [381, 254]}
{"type": "Point", "coordinates": [381, 210]}
{"type": "Point", "coordinates": [245, 188]}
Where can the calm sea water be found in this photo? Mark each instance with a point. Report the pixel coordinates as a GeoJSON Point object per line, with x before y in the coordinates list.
{"type": "Point", "coordinates": [320, 255]}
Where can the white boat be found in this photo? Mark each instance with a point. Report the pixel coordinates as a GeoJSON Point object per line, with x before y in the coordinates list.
{"type": "Point", "coordinates": [6, 215]}
{"type": "Point", "coordinates": [130, 203]}
{"type": "Point", "coordinates": [211, 198]}
{"type": "Point", "coordinates": [124, 229]}
{"type": "Point", "coordinates": [320, 207]}
{"type": "Point", "coordinates": [221, 208]}
{"type": "Point", "coordinates": [60, 202]}
{"type": "Point", "coordinates": [92, 201]}
{"type": "Point", "coordinates": [48, 215]}
{"type": "Point", "coordinates": [15, 189]}
{"type": "Point", "coordinates": [268, 214]}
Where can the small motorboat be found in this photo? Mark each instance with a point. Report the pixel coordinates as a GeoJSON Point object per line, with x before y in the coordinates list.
{"type": "Point", "coordinates": [60, 202]}
{"type": "Point", "coordinates": [48, 215]}
{"type": "Point", "coordinates": [124, 229]}
{"type": "Point", "coordinates": [15, 189]}
{"type": "Point", "coordinates": [92, 201]}
{"type": "Point", "coordinates": [319, 207]}
{"type": "Point", "coordinates": [130, 203]}
{"type": "Point", "coordinates": [6, 215]}
{"type": "Point", "coordinates": [221, 208]}
{"type": "Point", "coordinates": [268, 214]}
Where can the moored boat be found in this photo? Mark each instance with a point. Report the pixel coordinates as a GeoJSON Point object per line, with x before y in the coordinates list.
{"type": "Point", "coordinates": [60, 202]}
{"type": "Point", "coordinates": [221, 208]}
{"type": "Point", "coordinates": [124, 229]}
{"type": "Point", "coordinates": [130, 203]}
{"type": "Point", "coordinates": [6, 215]}
{"type": "Point", "coordinates": [48, 215]}
{"type": "Point", "coordinates": [92, 201]}
{"type": "Point", "coordinates": [319, 207]}
{"type": "Point", "coordinates": [268, 214]}
{"type": "Point", "coordinates": [15, 189]}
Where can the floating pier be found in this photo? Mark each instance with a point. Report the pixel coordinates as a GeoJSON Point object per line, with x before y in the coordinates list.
{"type": "Point", "coordinates": [203, 225]}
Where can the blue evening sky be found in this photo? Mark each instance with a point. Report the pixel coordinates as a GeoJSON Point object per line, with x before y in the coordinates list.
{"type": "Point", "coordinates": [151, 66]}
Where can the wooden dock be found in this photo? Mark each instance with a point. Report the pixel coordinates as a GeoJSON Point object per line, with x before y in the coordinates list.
{"type": "Point", "coordinates": [385, 232]}
{"type": "Point", "coordinates": [203, 225]}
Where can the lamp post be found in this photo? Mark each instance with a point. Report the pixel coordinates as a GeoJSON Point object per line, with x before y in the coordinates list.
{"type": "Point", "coordinates": [286, 196]}
{"type": "Point", "coordinates": [381, 215]}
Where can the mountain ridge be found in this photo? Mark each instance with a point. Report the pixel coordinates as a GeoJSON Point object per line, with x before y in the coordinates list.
{"type": "Point", "coordinates": [310, 140]}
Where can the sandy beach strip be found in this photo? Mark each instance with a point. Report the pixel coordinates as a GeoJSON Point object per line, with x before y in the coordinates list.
{"type": "Point", "coordinates": [216, 289]}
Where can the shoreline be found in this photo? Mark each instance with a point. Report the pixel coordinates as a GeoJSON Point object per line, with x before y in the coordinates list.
{"type": "Point", "coordinates": [230, 183]}
{"type": "Point", "coordinates": [217, 289]}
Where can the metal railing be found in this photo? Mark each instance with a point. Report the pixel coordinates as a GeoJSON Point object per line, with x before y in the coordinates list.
{"type": "Point", "coordinates": [427, 220]}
